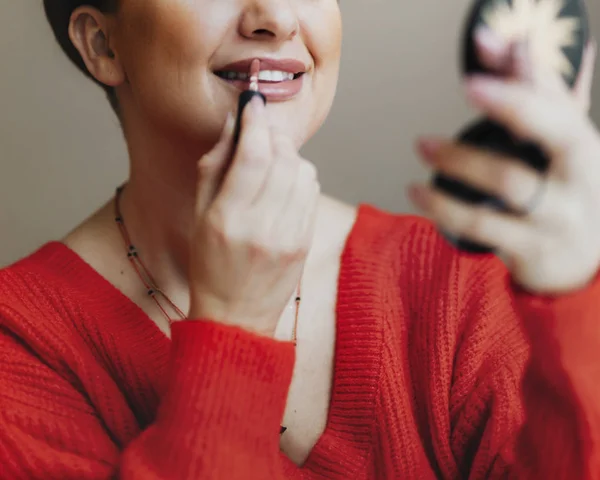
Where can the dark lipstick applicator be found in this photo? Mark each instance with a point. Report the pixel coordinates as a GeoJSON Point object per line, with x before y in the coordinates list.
{"type": "Point", "coordinates": [246, 97]}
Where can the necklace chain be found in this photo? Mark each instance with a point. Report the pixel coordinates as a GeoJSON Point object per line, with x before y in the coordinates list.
{"type": "Point", "coordinates": [152, 289]}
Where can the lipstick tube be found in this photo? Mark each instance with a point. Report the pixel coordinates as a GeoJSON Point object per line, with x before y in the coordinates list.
{"type": "Point", "coordinates": [246, 97]}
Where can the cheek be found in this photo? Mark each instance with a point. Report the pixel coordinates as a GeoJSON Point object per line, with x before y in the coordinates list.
{"type": "Point", "coordinates": [166, 48]}
{"type": "Point", "coordinates": [322, 22]}
{"type": "Point", "coordinates": [323, 38]}
{"type": "Point", "coordinates": [166, 43]}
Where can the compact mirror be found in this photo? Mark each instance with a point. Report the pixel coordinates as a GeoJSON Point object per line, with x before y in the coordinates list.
{"type": "Point", "coordinates": [556, 32]}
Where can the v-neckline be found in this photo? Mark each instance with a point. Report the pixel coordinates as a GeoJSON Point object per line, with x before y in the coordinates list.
{"type": "Point", "coordinates": [357, 350]}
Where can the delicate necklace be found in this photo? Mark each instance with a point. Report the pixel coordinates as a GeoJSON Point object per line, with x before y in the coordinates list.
{"type": "Point", "coordinates": [154, 292]}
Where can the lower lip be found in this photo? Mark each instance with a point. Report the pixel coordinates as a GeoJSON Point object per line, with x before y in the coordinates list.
{"type": "Point", "coordinates": [274, 91]}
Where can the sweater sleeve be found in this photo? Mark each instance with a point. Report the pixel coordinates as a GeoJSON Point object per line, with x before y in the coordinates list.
{"type": "Point", "coordinates": [219, 415]}
{"type": "Point", "coordinates": [561, 387]}
{"type": "Point", "coordinates": [533, 414]}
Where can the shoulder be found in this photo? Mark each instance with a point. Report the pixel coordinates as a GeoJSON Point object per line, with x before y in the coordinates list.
{"type": "Point", "coordinates": [421, 252]}
{"type": "Point", "coordinates": [412, 244]}
{"type": "Point", "coordinates": [436, 283]}
{"type": "Point", "coordinates": [37, 292]}
{"type": "Point", "coordinates": [401, 231]}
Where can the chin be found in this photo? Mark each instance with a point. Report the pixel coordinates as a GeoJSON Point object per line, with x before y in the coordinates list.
{"type": "Point", "coordinates": [298, 120]}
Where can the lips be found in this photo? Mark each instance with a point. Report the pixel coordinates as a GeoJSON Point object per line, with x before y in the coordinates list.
{"type": "Point", "coordinates": [279, 80]}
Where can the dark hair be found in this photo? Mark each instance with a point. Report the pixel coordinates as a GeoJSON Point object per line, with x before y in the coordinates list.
{"type": "Point", "coordinates": [58, 13]}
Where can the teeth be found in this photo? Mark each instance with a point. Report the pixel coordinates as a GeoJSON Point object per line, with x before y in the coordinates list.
{"type": "Point", "coordinates": [274, 76]}
{"type": "Point", "coordinates": [264, 75]}
{"type": "Point", "coordinates": [236, 76]}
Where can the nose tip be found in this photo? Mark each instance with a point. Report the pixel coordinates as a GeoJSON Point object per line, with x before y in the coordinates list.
{"type": "Point", "coordinates": [269, 20]}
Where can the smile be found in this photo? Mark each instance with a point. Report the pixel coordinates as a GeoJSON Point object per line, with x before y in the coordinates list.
{"type": "Point", "coordinates": [278, 80]}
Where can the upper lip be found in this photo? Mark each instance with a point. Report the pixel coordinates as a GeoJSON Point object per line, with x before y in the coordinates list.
{"type": "Point", "coordinates": [288, 65]}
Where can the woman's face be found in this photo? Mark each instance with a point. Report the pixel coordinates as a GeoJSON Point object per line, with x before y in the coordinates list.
{"type": "Point", "coordinates": [183, 60]}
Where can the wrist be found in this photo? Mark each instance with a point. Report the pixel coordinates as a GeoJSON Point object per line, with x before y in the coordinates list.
{"type": "Point", "coordinates": [222, 313]}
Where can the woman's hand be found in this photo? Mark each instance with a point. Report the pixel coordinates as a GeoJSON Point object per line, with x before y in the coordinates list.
{"type": "Point", "coordinates": [254, 228]}
{"type": "Point", "coordinates": [555, 248]}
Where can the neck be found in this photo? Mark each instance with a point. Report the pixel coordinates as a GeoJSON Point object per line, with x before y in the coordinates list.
{"type": "Point", "coordinates": [158, 204]}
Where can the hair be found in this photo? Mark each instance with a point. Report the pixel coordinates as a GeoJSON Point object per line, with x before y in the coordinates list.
{"type": "Point", "coordinates": [58, 13]}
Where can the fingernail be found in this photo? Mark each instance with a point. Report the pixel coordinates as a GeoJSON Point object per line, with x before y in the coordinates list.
{"type": "Point", "coordinates": [429, 147]}
{"type": "Point", "coordinates": [490, 40]}
{"type": "Point", "coordinates": [483, 89]}
{"type": "Point", "coordinates": [230, 121]}
{"type": "Point", "coordinates": [257, 104]}
{"type": "Point", "coordinates": [416, 193]}
{"type": "Point", "coordinates": [521, 51]}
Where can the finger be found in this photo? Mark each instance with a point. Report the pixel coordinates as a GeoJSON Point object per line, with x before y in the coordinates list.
{"type": "Point", "coordinates": [277, 190]}
{"type": "Point", "coordinates": [253, 156]}
{"type": "Point", "coordinates": [550, 120]}
{"type": "Point", "coordinates": [286, 159]}
{"type": "Point", "coordinates": [521, 63]}
{"type": "Point", "coordinates": [479, 224]}
{"type": "Point", "coordinates": [286, 154]}
{"type": "Point", "coordinates": [583, 86]}
{"type": "Point", "coordinates": [300, 210]}
{"type": "Point", "coordinates": [210, 166]}
{"type": "Point", "coordinates": [515, 60]}
{"type": "Point", "coordinates": [310, 213]}
{"type": "Point", "coordinates": [493, 51]}
{"type": "Point", "coordinates": [509, 59]}
{"type": "Point", "coordinates": [283, 146]}
{"type": "Point", "coordinates": [508, 179]}
{"type": "Point", "coordinates": [524, 68]}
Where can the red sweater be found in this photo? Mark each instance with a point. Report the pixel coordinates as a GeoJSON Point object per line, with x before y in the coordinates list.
{"type": "Point", "coordinates": [434, 377]}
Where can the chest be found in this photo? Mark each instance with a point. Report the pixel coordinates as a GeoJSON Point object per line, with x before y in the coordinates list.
{"type": "Point", "coordinates": [309, 395]}
{"type": "Point", "coordinates": [331, 404]}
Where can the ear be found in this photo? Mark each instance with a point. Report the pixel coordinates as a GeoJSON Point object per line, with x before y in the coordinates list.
{"type": "Point", "coordinates": [89, 30]}
{"type": "Point", "coordinates": [584, 84]}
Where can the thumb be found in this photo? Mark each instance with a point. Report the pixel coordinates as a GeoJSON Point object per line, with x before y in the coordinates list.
{"type": "Point", "coordinates": [211, 166]}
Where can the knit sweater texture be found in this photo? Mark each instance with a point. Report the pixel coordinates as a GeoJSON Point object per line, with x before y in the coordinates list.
{"type": "Point", "coordinates": [443, 369]}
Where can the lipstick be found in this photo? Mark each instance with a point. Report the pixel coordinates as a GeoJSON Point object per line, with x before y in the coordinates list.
{"type": "Point", "coordinates": [246, 97]}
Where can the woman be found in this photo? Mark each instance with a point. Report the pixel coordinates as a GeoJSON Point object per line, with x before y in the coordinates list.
{"type": "Point", "coordinates": [412, 360]}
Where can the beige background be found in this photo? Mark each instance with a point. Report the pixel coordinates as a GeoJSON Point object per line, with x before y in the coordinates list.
{"type": "Point", "coordinates": [62, 153]}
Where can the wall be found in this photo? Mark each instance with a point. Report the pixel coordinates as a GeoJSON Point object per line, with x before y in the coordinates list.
{"type": "Point", "coordinates": [62, 152]}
